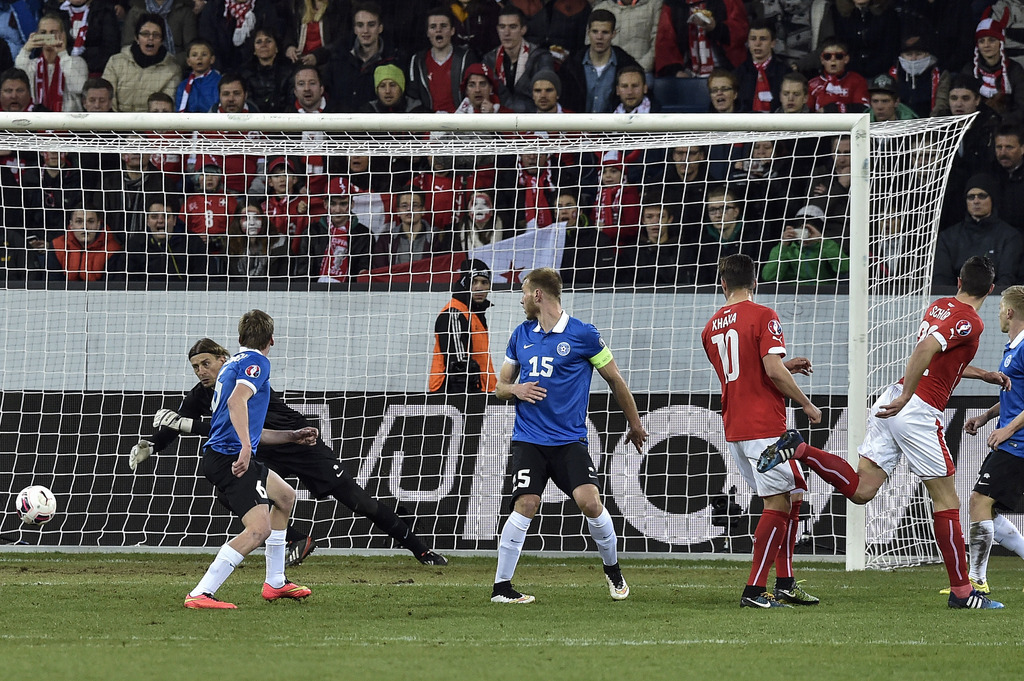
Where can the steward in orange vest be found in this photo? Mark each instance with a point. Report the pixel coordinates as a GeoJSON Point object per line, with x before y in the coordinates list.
{"type": "Point", "coordinates": [462, 359]}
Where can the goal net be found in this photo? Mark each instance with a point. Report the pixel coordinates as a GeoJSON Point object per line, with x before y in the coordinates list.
{"type": "Point", "coordinates": [127, 240]}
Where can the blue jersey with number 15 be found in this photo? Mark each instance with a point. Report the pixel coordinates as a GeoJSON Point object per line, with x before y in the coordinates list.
{"type": "Point", "coordinates": [1011, 402]}
{"type": "Point", "coordinates": [252, 369]}
{"type": "Point", "coordinates": [562, 361]}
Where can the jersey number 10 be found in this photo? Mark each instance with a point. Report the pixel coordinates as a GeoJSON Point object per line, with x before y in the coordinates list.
{"type": "Point", "coordinates": [729, 352]}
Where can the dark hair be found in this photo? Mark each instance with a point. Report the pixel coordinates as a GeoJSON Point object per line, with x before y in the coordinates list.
{"type": "Point", "coordinates": [833, 41]}
{"type": "Point", "coordinates": [440, 11]}
{"type": "Point", "coordinates": [630, 68]}
{"type": "Point", "coordinates": [207, 346]}
{"type": "Point", "coordinates": [200, 41]}
{"type": "Point", "coordinates": [762, 25]}
{"type": "Point", "coordinates": [724, 73]}
{"type": "Point", "coordinates": [737, 271]}
{"type": "Point", "coordinates": [232, 77]}
{"type": "Point", "coordinates": [601, 15]}
{"type": "Point", "coordinates": [300, 67]}
{"type": "Point", "coordinates": [1010, 130]}
{"type": "Point", "coordinates": [796, 77]}
{"type": "Point", "coordinates": [367, 6]}
{"type": "Point", "coordinates": [151, 18]}
{"type": "Point", "coordinates": [160, 97]}
{"type": "Point", "coordinates": [512, 10]}
{"type": "Point", "coordinates": [964, 81]}
{"type": "Point", "coordinates": [96, 84]}
{"type": "Point", "coordinates": [977, 275]}
{"type": "Point", "coordinates": [15, 73]}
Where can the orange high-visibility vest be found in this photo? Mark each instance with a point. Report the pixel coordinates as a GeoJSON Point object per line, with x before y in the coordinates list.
{"type": "Point", "coordinates": [479, 351]}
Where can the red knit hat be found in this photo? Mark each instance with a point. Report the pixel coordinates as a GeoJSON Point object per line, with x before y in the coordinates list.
{"type": "Point", "coordinates": [478, 69]}
{"type": "Point", "coordinates": [989, 27]}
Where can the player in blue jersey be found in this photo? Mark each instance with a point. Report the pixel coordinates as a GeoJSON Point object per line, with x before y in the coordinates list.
{"type": "Point", "coordinates": [1001, 478]}
{"type": "Point", "coordinates": [552, 356]}
{"type": "Point", "coordinates": [260, 497]}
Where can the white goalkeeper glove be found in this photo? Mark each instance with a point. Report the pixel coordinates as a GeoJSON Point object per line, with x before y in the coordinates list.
{"type": "Point", "coordinates": [140, 452]}
{"type": "Point", "coordinates": [168, 418]}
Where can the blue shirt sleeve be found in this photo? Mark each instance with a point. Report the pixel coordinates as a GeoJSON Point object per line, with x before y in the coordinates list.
{"type": "Point", "coordinates": [254, 372]}
{"type": "Point", "coordinates": [510, 349]}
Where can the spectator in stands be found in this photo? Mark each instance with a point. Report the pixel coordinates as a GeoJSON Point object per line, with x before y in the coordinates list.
{"type": "Point", "coordinates": [658, 258]}
{"type": "Point", "coordinates": [480, 92]}
{"type": "Point", "coordinates": [791, 22]}
{"type": "Point", "coordinates": [695, 36]}
{"type": "Point", "coordinates": [724, 90]}
{"type": "Point", "coordinates": [159, 102]}
{"type": "Point", "coordinates": [527, 192]}
{"type": "Point", "coordinates": [884, 99]}
{"type": "Point", "coordinates": [317, 29]}
{"type": "Point", "coordinates": [98, 95]}
{"type": "Point", "coordinates": [1009, 171]}
{"type": "Point", "coordinates": [636, 27]}
{"type": "Point", "coordinates": [389, 82]}
{"type": "Point", "coordinates": [560, 27]}
{"type": "Point", "coordinates": [681, 182]}
{"type": "Point", "coordinates": [480, 224]}
{"type": "Point", "coordinates": [764, 176]}
{"type": "Point", "coordinates": [198, 93]}
{"type": "Point", "coordinates": [142, 68]}
{"type": "Point", "coordinates": [920, 84]}
{"type": "Point", "coordinates": [17, 19]}
{"type": "Point", "coordinates": [180, 23]}
{"type": "Point", "coordinates": [631, 91]}
{"type": "Point", "coordinates": [16, 92]}
{"type": "Point", "coordinates": [870, 29]}
{"type": "Point", "coordinates": [515, 62]}
{"type": "Point", "coordinates": [760, 75]}
{"type": "Point", "coordinates": [232, 96]}
{"type": "Point", "coordinates": [617, 205]}
{"type": "Point", "coordinates": [793, 91]}
{"type": "Point", "coordinates": [1002, 79]}
{"type": "Point", "coordinates": [287, 208]}
{"type": "Point", "coordinates": [980, 233]}
{"type": "Point", "coordinates": [253, 251]}
{"type": "Point", "coordinates": [310, 96]}
{"type": "Point", "coordinates": [547, 91]}
{"type": "Point", "coordinates": [60, 190]}
{"type": "Point", "coordinates": [125, 192]}
{"type": "Point", "coordinates": [837, 85]}
{"type": "Point", "coordinates": [589, 75]}
{"type": "Point", "coordinates": [350, 72]}
{"type": "Point", "coordinates": [230, 26]}
{"type": "Point", "coordinates": [86, 251]}
{"type": "Point", "coordinates": [411, 237]}
{"type": "Point", "coordinates": [589, 256]}
{"type": "Point", "coordinates": [160, 253]}
{"type": "Point", "coordinates": [95, 30]}
{"type": "Point", "coordinates": [946, 25]}
{"type": "Point", "coordinates": [476, 24]}
{"type": "Point", "coordinates": [206, 212]}
{"type": "Point", "coordinates": [978, 147]}
{"type": "Point", "coordinates": [722, 234]}
{"type": "Point", "coordinates": [55, 77]}
{"type": "Point", "coordinates": [436, 73]}
{"type": "Point", "coordinates": [339, 245]}
{"type": "Point", "coordinates": [804, 256]}
{"type": "Point", "coordinates": [268, 74]}
{"type": "Point", "coordinates": [830, 189]}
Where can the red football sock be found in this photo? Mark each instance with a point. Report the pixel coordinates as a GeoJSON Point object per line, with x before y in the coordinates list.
{"type": "Point", "coordinates": [768, 538]}
{"type": "Point", "coordinates": [831, 468]}
{"type": "Point", "coordinates": [950, 537]}
{"type": "Point", "coordinates": [784, 560]}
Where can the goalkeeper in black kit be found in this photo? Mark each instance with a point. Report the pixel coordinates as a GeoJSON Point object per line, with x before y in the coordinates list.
{"type": "Point", "coordinates": [317, 466]}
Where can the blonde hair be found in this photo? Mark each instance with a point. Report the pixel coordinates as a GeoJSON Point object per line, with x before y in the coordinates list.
{"type": "Point", "coordinates": [255, 329]}
{"type": "Point", "coordinates": [1013, 298]}
{"type": "Point", "coordinates": [311, 13]}
{"type": "Point", "coordinates": [547, 280]}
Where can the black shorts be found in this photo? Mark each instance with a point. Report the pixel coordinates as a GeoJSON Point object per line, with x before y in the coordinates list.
{"type": "Point", "coordinates": [316, 467]}
{"type": "Point", "coordinates": [240, 495]}
{"type": "Point", "coordinates": [1002, 478]}
{"type": "Point", "coordinates": [569, 466]}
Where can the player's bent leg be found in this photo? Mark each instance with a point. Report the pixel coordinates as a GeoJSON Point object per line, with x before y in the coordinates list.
{"type": "Point", "coordinates": [257, 528]}
{"type": "Point", "coordinates": [871, 477]}
{"type": "Point", "coordinates": [282, 495]}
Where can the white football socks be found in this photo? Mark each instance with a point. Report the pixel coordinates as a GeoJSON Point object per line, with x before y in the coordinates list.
{"type": "Point", "coordinates": [275, 558]}
{"type": "Point", "coordinates": [220, 569]}
{"type": "Point", "coordinates": [981, 533]}
{"type": "Point", "coordinates": [511, 546]}
{"type": "Point", "coordinates": [1008, 536]}
{"type": "Point", "coordinates": [603, 532]}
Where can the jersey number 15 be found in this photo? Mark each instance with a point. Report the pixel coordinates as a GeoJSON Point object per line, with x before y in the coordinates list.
{"type": "Point", "coordinates": [729, 352]}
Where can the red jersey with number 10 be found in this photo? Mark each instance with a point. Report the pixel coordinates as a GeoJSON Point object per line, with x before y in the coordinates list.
{"type": "Point", "coordinates": [957, 327]}
{"type": "Point", "coordinates": [735, 340]}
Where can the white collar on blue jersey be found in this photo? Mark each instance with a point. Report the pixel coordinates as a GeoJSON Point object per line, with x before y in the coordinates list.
{"type": "Point", "coordinates": [1016, 341]}
{"type": "Point", "coordinates": [560, 325]}
{"type": "Point", "coordinates": [242, 348]}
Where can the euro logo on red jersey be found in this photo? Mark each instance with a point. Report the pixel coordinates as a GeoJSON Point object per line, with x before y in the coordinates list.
{"type": "Point", "coordinates": [774, 327]}
{"type": "Point", "coordinates": [963, 327]}
{"type": "Point", "coordinates": [252, 371]}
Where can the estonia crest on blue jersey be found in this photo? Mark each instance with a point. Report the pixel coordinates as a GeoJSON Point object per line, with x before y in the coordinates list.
{"type": "Point", "coordinates": [251, 369]}
{"type": "Point", "coordinates": [1011, 402]}
{"type": "Point", "coordinates": [562, 361]}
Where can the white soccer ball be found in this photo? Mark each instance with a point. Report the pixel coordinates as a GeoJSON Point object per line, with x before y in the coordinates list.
{"type": "Point", "coordinates": [36, 505]}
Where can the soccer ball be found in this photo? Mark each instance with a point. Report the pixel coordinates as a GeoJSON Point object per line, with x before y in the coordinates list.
{"type": "Point", "coordinates": [36, 505]}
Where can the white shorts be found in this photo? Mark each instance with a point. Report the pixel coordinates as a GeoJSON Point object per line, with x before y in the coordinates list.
{"type": "Point", "coordinates": [779, 480]}
{"type": "Point", "coordinates": [916, 432]}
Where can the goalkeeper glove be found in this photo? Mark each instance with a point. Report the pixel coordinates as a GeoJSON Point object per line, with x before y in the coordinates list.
{"type": "Point", "coordinates": [168, 418]}
{"type": "Point", "coordinates": [140, 452]}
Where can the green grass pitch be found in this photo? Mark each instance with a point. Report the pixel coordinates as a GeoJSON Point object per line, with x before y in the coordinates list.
{"type": "Point", "coordinates": [120, 616]}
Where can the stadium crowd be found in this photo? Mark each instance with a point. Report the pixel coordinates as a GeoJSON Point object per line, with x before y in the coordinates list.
{"type": "Point", "coordinates": [633, 219]}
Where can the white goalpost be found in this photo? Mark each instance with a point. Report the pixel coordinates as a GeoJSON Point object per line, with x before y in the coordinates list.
{"type": "Point", "coordinates": [203, 216]}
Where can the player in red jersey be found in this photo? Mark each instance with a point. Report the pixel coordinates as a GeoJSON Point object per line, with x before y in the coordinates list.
{"type": "Point", "coordinates": [206, 213]}
{"type": "Point", "coordinates": [906, 420]}
{"type": "Point", "coordinates": [745, 344]}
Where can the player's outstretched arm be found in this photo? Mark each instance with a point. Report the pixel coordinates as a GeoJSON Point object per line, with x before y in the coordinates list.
{"type": "Point", "coordinates": [993, 377]}
{"type": "Point", "coordinates": [780, 375]}
{"type": "Point", "coordinates": [973, 424]}
{"type": "Point", "coordinates": [303, 436]}
{"type": "Point", "coordinates": [507, 387]}
{"type": "Point", "coordinates": [918, 363]}
{"type": "Point", "coordinates": [610, 373]}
